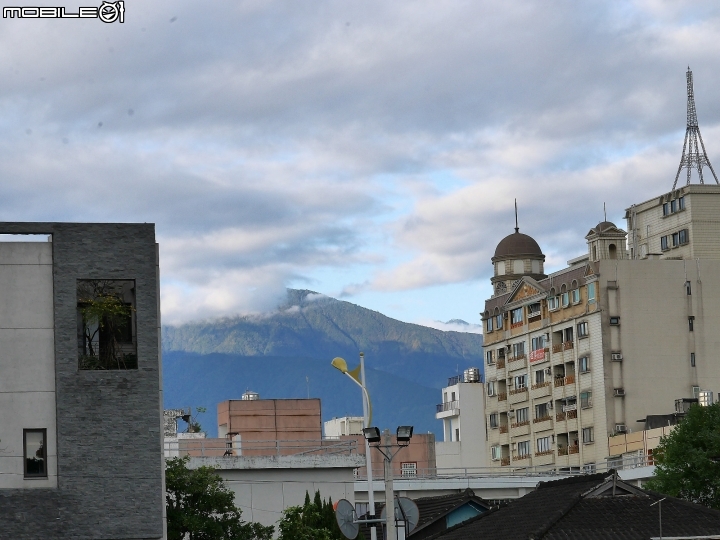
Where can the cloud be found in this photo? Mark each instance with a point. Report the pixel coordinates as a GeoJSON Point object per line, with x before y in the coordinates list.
{"type": "Point", "coordinates": [452, 326]}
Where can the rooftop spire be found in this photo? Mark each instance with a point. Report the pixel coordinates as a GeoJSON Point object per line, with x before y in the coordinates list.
{"type": "Point", "coordinates": [517, 229]}
{"type": "Point", "coordinates": [692, 157]}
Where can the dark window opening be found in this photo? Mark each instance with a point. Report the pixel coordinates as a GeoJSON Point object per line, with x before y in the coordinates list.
{"type": "Point", "coordinates": [692, 359]}
{"type": "Point", "coordinates": [688, 288]}
{"type": "Point", "coordinates": [106, 324]}
{"type": "Point", "coordinates": [35, 453]}
{"type": "Point", "coordinates": [613, 251]}
{"type": "Point", "coordinates": [691, 323]}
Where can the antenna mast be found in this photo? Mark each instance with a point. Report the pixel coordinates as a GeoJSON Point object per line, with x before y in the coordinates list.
{"type": "Point", "coordinates": [517, 229]}
{"type": "Point", "coordinates": [693, 158]}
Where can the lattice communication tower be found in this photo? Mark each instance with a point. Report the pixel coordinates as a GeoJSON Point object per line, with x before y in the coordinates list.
{"type": "Point", "coordinates": [692, 157]}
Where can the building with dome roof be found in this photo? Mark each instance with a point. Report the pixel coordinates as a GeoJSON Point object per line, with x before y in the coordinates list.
{"type": "Point", "coordinates": [588, 352]}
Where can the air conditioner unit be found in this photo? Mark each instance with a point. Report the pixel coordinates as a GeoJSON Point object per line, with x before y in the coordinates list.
{"type": "Point", "coordinates": [550, 405]}
{"type": "Point", "coordinates": [619, 392]}
{"type": "Point", "coordinates": [511, 413]}
{"type": "Point", "coordinates": [547, 371]}
{"type": "Point", "coordinates": [620, 428]}
{"type": "Point", "coordinates": [616, 356]}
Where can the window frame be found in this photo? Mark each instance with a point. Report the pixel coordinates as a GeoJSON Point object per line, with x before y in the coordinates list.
{"type": "Point", "coordinates": [540, 376]}
{"type": "Point", "coordinates": [586, 399]}
{"type": "Point", "coordinates": [518, 348]}
{"type": "Point", "coordinates": [489, 358]}
{"type": "Point", "coordinates": [664, 243]}
{"type": "Point", "coordinates": [591, 295]}
{"type": "Point", "coordinates": [495, 452]}
{"type": "Point", "coordinates": [494, 419]}
{"type": "Point", "coordinates": [535, 312]}
{"type": "Point", "coordinates": [590, 438]}
{"type": "Point", "coordinates": [525, 446]}
{"type": "Point", "coordinates": [543, 444]}
{"type": "Point", "coordinates": [488, 324]}
{"type": "Point", "coordinates": [516, 315]}
{"type": "Point", "coordinates": [490, 388]}
{"type": "Point", "coordinates": [520, 379]}
{"type": "Point", "coordinates": [539, 408]}
{"type": "Point", "coordinates": [524, 412]}
{"type": "Point", "coordinates": [499, 321]}
{"type": "Point", "coordinates": [675, 239]}
{"type": "Point", "coordinates": [564, 299]}
{"type": "Point", "coordinates": [666, 209]}
{"type": "Point", "coordinates": [44, 474]}
{"type": "Point", "coordinates": [583, 329]}
{"type": "Point", "coordinates": [681, 203]}
{"type": "Point", "coordinates": [692, 359]}
{"type": "Point", "coordinates": [584, 364]}
{"type": "Point", "coordinates": [683, 236]}
{"type": "Point", "coordinates": [408, 472]}
{"type": "Point", "coordinates": [575, 296]}
{"type": "Point", "coordinates": [691, 323]}
{"type": "Point", "coordinates": [553, 303]}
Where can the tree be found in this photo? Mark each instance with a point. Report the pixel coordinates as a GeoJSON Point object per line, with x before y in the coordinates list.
{"type": "Point", "coordinates": [687, 461]}
{"type": "Point", "coordinates": [201, 507]}
{"type": "Point", "coordinates": [314, 520]}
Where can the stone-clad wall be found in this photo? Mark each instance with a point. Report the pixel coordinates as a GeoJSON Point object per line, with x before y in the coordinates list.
{"type": "Point", "coordinates": [108, 422]}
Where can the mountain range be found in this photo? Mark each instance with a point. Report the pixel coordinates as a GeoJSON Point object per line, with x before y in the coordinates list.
{"type": "Point", "coordinates": [287, 354]}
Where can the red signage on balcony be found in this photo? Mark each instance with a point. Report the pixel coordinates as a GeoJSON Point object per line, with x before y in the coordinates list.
{"type": "Point", "coordinates": [536, 356]}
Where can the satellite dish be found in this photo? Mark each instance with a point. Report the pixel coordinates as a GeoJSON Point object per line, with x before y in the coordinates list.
{"type": "Point", "coordinates": [409, 508]}
{"type": "Point", "coordinates": [345, 516]}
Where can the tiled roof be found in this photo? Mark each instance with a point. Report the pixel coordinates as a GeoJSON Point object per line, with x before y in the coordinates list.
{"type": "Point", "coordinates": [562, 510]}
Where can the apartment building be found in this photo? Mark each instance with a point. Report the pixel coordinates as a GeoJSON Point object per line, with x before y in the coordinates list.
{"type": "Point", "coordinates": [80, 450]}
{"type": "Point", "coordinates": [462, 412]}
{"type": "Point", "coordinates": [590, 351]}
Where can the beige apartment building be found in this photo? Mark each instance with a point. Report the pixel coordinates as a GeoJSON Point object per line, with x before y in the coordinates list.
{"type": "Point", "coordinates": [590, 351]}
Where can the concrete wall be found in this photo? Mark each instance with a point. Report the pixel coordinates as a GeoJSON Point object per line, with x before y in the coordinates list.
{"type": "Point", "coordinates": [421, 451]}
{"type": "Point", "coordinates": [469, 418]}
{"type": "Point", "coordinates": [27, 386]}
{"type": "Point", "coordinates": [108, 423]}
{"type": "Point", "coordinates": [271, 419]}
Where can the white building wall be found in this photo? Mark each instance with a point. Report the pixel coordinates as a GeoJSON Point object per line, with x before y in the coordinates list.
{"type": "Point", "coordinates": [346, 425]}
{"type": "Point", "coordinates": [469, 418]}
{"type": "Point", "coordinates": [27, 357]}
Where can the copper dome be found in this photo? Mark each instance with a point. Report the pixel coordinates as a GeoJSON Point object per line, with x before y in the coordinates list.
{"type": "Point", "coordinates": [517, 244]}
{"type": "Point", "coordinates": [604, 225]}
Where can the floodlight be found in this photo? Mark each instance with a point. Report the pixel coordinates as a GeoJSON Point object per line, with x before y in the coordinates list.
{"type": "Point", "coordinates": [404, 434]}
{"type": "Point", "coordinates": [340, 364]}
{"type": "Point", "coordinates": [372, 434]}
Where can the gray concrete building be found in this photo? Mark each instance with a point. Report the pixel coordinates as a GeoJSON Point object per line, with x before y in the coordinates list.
{"type": "Point", "coordinates": [80, 441]}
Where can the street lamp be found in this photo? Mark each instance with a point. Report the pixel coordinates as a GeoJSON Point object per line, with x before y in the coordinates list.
{"type": "Point", "coordinates": [357, 375]}
{"type": "Point", "coordinates": [403, 436]}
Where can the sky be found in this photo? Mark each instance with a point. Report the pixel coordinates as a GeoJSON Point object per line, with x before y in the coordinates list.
{"type": "Point", "coordinates": [370, 151]}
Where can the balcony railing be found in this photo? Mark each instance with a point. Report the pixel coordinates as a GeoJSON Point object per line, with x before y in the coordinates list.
{"type": "Point", "coordinates": [542, 419]}
{"type": "Point", "coordinates": [452, 381]}
{"type": "Point", "coordinates": [573, 449]}
{"type": "Point", "coordinates": [504, 461]}
{"type": "Point", "coordinates": [516, 358]}
{"type": "Point", "coordinates": [540, 385]}
{"type": "Point", "coordinates": [559, 381]}
{"type": "Point", "coordinates": [502, 396]}
{"type": "Point", "coordinates": [560, 417]}
{"type": "Point", "coordinates": [570, 379]}
{"type": "Point", "coordinates": [544, 453]}
{"type": "Point", "coordinates": [517, 324]}
{"type": "Point", "coordinates": [517, 457]}
{"type": "Point", "coordinates": [568, 345]}
{"type": "Point", "coordinates": [520, 424]}
{"type": "Point", "coordinates": [448, 406]}
{"type": "Point", "coordinates": [562, 451]}
{"type": "Point", "coordinates": [518, 390]}
{"type": "Point", "coordinates": [571, 415]}
{"type": "Point", "coordinates": [504, 429]}
{"type": "Point", "coordinates": [558, 348]}
{"type": "Point", "coordinates": [500, 363]}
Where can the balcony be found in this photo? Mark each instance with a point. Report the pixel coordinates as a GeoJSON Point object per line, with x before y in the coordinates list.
{"type": "Point", "coordinates": [540, 385]}
{"type": "Point", "coordinates": [563, 451]}
{"type": "Point", "coordinates": [502, 396]}
{"type": "Point", "coordinates": [543, 419]}
{"type": "Point", "coordinates": [568, 345]}
{"type": "Point", "coordinates": [571, 415]}
{"type": "Point", "coordinates": [452, 381]}
{"type": "Point", "coordinates": [517, 457]}
{"type": "Point", "coordinates": [560, 417]}
{"type": "Point", "coordinates": [504, 429]}
{"type": "Point", "coordinates": [500, 364]}
{"type": "Point", "coordinates": [544, 453]}
{"type": "Point", "coordinates": [570, 379]}
{"type": "Point", "coordinates": [505, 461]}
{"type": "Point", "coordinates": [557, 348]}
{"type": "Point", "coordinates": [559, 381]}
{"type": "Point", "coordinates": [537, 355]}
{"type": "Point", "coordinates": [518, 390]}
{"type": "Point", "coordinates": [573, 449]}
{"type": "Point", "coordinates": [447, 409]}
{"type": "Point", "coordinates": [520, 424]}
{"type": "Point", "coordinates": [516, 325]}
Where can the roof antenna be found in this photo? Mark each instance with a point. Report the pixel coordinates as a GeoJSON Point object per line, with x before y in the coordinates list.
{"type": "Point", "coordinates": [605, 211]}
{"type": "Point", "coordinates": [517, 229]}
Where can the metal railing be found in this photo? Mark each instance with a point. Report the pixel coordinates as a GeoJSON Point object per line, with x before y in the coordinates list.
{"type": "Point", "coordinates": [448, 406]}
{"type": "Point", "coordinates": [245, 448]}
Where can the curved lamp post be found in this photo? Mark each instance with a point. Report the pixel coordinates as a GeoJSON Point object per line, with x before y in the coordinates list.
{"type": "Point", "coordinates": [357, 375]}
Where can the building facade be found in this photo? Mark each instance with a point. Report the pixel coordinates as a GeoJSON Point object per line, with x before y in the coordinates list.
{"type": "Point", "coordinates": [591, 350]}
{"type": "Point", "coordinates": [81, 443]}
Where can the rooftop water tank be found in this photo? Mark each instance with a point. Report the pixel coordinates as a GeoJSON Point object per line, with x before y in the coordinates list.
{"type": "Point", "coordinates": [250, 396]}
{"type": "Point", "coordinates": [471, 375]}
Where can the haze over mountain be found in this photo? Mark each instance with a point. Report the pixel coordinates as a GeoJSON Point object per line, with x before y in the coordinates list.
{"type": "Point", "coordinates": [287, 354]}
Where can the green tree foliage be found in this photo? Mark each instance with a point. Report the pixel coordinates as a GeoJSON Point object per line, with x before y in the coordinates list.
{"type": "Point", "coordinates": [314, 520]}
{"type": "Point", "coordinates": [201, 506]}
{"type": "Point", "coordinates": [688, 459]}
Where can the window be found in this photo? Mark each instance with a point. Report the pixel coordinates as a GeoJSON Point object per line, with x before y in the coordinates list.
{"type": "Point", "coordinates": [489, 324]}
{"type": "Point", "coordinates": [591, 292]}
{"type": "Point", "coordinates": [521, 381]}
{"type": "Point", "coordinates": [582, 329]}
{"type": "Point", "coordinates": [541, 411]}
{"type": "Point", "coordinates": [692, 359]}
{"type": "Point", "coordinates": [521, 415]}
{"type": "Point", "coordinates": [585, 400]}
{"type": "Point", "coordinates": [457, 434]}
{"type": "Point", "coordinates": [500, 287]}
{"type": "Point", "coordinates": [568, 334]}
{"type": "Point", "coordinates": [691, 323]}
{"type": "Point", "coordinates": [681, 203]}
{"type": "Point", "coordinates": [664, 243]}
{"type": "Point", "coordinates": [408, 469]}
{"type": "Point", "coordinates": [683, 237]}
{"type": "Point", "coordinates": [519, 348]}
{"type": "Point", "coordinates": [490, 388]}
{"type": "Point", "coordinates": [575, 296]}
{"type": "Point", "coordinates": [452, 396]}
{"type": "Point", "coordinates": [501, 352]}
{"type": "Point", "coordinates": [498, 321]}
{"type": "Point", "coordinates": [588, 468]}
{"type": "Point", "coordinates": [495, 452]}
{"type": "Point", "coordinates": [565, 299]}
{"type": "Point", "coordinates": [666, 209]}
{"type": "Point", "coordinates": [523, 448]}
{"type": "Point", "coordinates": [675, 239]}
{"type": "Point", "coordinates": [543, 444]}
{"type": "Point", "coordinates": [553, 303]}
{"type": "Point", "coordinates": [494, 420]}
{"type": "Point", "coordinates": [533, 310]}
{"type": "Point", "coordinates": [489, 358]}
{"type": "Point", "coordinates": [106, 324]}
{"type": "Point", "coordinates": [688, 288]}
{"type": "Point", "coordinates": [584, 363]}
{"type": "Point", "coordinates": [537, 343]}
{"type": "Point", "coordinates": [614, 321]}
{"type": "Point", "coordinates": [35, 452]}
{"type": "Point", "coordinates": [696, 392]}
{"type": "Point", "coordinates": [540, 376]}
{"type": "Point", "coordinates": [673, 206]}
{"type": "Point", "coordinates": [516, 316]}
{"type": "Point", "coordinates": [587, 435]}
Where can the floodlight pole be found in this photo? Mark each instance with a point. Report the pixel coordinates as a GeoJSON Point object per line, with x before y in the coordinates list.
{"type": "Point", "coordinates": [368, 454]}
{"type": "Point", "coordinates": [391, 532]}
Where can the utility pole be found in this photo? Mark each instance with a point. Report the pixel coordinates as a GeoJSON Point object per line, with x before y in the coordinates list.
{"type": "Point", "coordinates": [368, 455]}
{"type": "Point", "coordinates": [391, 533]}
